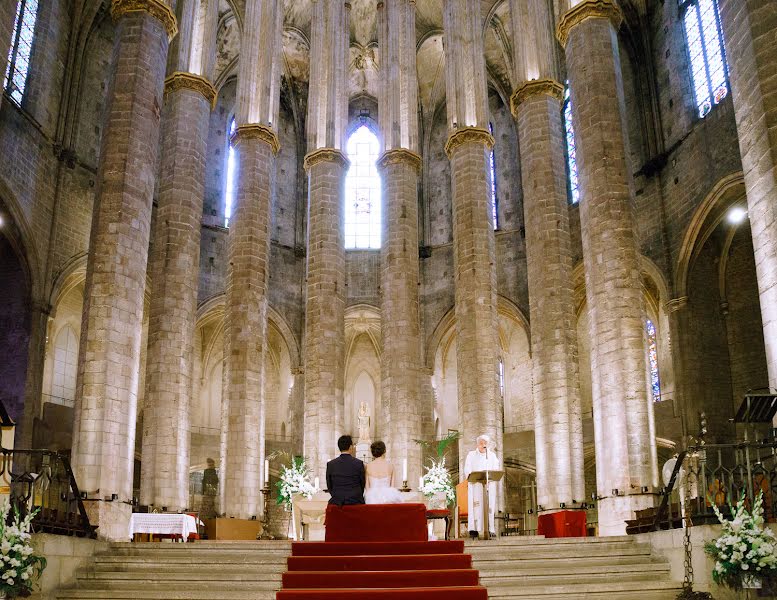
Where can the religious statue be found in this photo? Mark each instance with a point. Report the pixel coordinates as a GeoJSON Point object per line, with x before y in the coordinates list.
{"type": "Point", "coordinates": [364, 423]}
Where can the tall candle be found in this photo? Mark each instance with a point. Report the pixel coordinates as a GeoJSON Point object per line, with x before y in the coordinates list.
{"type": "Point", "coordinates": [315, 483]}
{"type": "Point", "coordinates": [420, 482]}
{"type": "Point", "coordinates": [266, 472]}
{"type": "Point", "coordinates": [404, 469]}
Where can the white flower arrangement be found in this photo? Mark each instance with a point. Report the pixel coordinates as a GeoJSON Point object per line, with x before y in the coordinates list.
{"type": "Point", "coordinates": [745, 548]}
{"type": "Point", "coordinates": [295, 479]}
{"type": "Point", "coordinates": [438, 480]}
{"type": "Point", "coordinates": [19, 567]}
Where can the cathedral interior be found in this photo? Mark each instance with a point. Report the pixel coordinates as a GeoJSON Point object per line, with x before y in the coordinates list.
{"type": "Point", "coordinates": [229, 224]}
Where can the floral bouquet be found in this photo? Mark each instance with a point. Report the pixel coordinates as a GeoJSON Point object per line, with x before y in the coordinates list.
{"type": "Point", "coordinates": [744, 550]}
{"type": "Point", "coordinates": [295, 479]}
{"type": "Point", "coordinates": [20, 567]}
{"type": "Point", "coordinates": [437, 480]}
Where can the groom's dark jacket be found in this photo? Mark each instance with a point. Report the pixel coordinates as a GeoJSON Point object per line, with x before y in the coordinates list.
{"type": "Point", "coordinates": [345, 480]}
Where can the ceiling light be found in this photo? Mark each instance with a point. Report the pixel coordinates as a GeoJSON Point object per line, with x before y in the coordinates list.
{"type": "Point", "coordinates": [736, 215]}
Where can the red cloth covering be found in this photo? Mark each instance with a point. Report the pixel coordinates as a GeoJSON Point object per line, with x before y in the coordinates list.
{"type": "Point", "coordinates": [380, 579]}
{"type": "Point", "coordinates": [446, 593]}
{"type": "Point", "coordinates": [375, 548]}
{"type": "Point", "coordinates": [565, 523]}
{"type": "Point", "coordinates": [428, 562]}
{"type": "Point", "coordinates": [376, 523]}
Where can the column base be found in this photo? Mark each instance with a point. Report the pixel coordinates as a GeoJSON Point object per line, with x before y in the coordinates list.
{"type": "Point", "coordinates": [613, 512]}
{"type": "Point", "coordinates": [111, 518]}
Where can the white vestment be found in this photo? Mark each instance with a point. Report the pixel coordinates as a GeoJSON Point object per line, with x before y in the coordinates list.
{"type": "Point", "coordinates": [480, 461]}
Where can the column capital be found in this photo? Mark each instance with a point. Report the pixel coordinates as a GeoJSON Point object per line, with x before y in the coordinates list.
{"type": "Point", "coordinates": [587, 9]}
{"type": "Point", "coordinates": [528, 89]}
{"type": "Point", "coordinates": [156, 8]}
{"type": "Point", "coordinates": [676, 304]}
{"type": "Point", "coordinates": [400, 156]}
{"type": "Point", "coordinates": [325, 155]}
{"type": "Point", "coordinates": [466, 135]}
{"type": "Point", "coordinates": [257, 131]}
{"type": "Point", "coordinates": [180, 80]}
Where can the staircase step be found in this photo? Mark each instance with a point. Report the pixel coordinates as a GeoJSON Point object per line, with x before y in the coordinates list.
{"type": "Point", "coordinates": [572, 570]}
{"type": "Point", "coordinates": [463, 593]}
{"type": "Point", "coordinates": [375, 548]}
{"type": "Point", "coordinates": [639, 588]}
{"type": "Point", "coordinates": [372, 579]}
{"type": "Point", "coordinates": [427, 562]}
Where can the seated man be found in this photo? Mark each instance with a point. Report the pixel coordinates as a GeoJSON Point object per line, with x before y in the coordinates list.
{"type": "Point", "coordinates": [345, 475]}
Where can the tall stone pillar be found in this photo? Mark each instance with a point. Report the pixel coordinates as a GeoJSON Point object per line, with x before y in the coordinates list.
{"type": "Point", "coordinates": [400, 165]}
{"type": "Point", "coordinates": [558, 429]}
{"type": "Point", "coordinates": [109, 354]}
{"type": "Point", "coordinates": [326, 165]}
{"type": "Point", "coordinates": [248, 246]}
{"type": "Point", "coordinates": [748, 28]}
{"type": "Point", "coordinates": [622, 408]}
{"type": "Point", "coordinates": [175, 261]}
{"type": "Point", "coordinates": [468, 148]}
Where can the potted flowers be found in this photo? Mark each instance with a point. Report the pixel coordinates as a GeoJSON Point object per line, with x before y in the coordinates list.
{"type": "Point", "coordinates": [436, 484]}
{"type": "Point", "coordinates": [294, 480]}
{"type": "Point", "coordinates": [20, 567]}
{"type": "Point", "coordinates": [745, 552]}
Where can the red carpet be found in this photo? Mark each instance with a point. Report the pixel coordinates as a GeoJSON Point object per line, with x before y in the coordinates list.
{"type": "Point", "coordinates": [379, 560]}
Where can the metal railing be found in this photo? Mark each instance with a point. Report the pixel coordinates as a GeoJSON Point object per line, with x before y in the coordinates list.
{"type": "Point", "coordinates": [43, 480]}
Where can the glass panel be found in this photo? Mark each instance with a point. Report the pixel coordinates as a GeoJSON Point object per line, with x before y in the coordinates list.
{"type": "Point", "coordinates": [362, 191]}
{"type": "Point", "coordinates": [574, 182]}
{"type": "Point", "coordinates": [705, 50]}
{"type": "Point", "coordinates": [229, 196]}
{"type": "Point", "coordinates": [15, 78]}
{"type": "Point", "coordinates": [492, 169]}
{"type": "Point", "coordinates": [655, 383]}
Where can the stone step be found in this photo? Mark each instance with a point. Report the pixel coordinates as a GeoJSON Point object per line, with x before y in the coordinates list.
{"type": "Point", "coordinates": [138, 593]}
{"type": "Point", "coordinates": [196, 576]}
{"type": "Point", "coordinates": [650, 589]}
{"type": "Point", "coordinates": [187, 559]}
{"type": "Point", "coordinates": [560, 563]}
{"type": "Point", "coordinates": [508, 572]}
{"type": "Point", "coordinates": [540, 540]}
{"type": "Point", "coordinates": [154, 585]}
{"type": "Point", "coordinates": [149, 569]}
{"type": "Point", "coordinates": [560, 552]}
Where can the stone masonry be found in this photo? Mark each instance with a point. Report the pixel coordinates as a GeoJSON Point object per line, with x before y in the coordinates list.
{"type": "Point", "coordinates": [625, 446]}
{"type": "Point", "coordinates": [326, 165]}
{"type": "Point", "coordinates": [468, 148]}
{"type": "Point", "coordinates": [557, 420]}
{"type": "Point", "coordinates": [400, 166]}
{"type": "Point", "coordinates": [109, 357]}
{"type": "Point", "coordinates": [174, 265]}
{"type": "Point", "coordinates": [749, 29]}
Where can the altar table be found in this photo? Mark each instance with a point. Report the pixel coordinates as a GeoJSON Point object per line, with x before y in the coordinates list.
{"type": "Point", "coordinates": [162, 524]}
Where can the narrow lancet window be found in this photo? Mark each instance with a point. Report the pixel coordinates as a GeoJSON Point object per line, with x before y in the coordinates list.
{"type": "Point", "coordinates": [362, 191]}
{"type": "Point", "coordinates": [572, 177]}
{"type": "Point", "coordinates": [15, 78]}
{"type": "Point", "coordinates": [655, 382]}
{"type": "Point", "coordinates": [492, 169]}
{"type": "Point", "coordinates": [229, 195]}
{"type": "Point", "coordinates": [705, 50]}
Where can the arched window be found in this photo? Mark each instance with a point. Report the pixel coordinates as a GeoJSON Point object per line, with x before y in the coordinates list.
{"type": "Point", "coordinates": [492, 168]}
{"type": "Point", "coordinates": [63, 378]}
{"type": "Point", "coordinates": [655, 382]}
{"type": "Point", "coordinates": [19, 56]}
{"type": "Point", "coordinates": [705, 49]}
{"type": "Point", "coordinates": [572, 178]}
{"type": "Point", "coordinates": [229, 195]}
{"type": "Point", "coordinates": [362, 191]}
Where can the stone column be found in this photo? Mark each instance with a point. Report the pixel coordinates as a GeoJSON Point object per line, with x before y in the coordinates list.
{"type": "Point", "coordinates": [174, 268]}
{"type": "Point", "coordinates": [248, 246]}
{"type": "Point", "coordinates": [468, 148]}
{"type": "Point", "coordinates": [399, 166]}
{"type": "Point", "coordinates": [326, 165]}
{"type": "Point", "coordinates": [748, 28]}
{"type": "Point", "coordinates": [109, 354]}
{"type": "Point", "coordinates": [558, 429]}
{"type": "Point", "coordinates": [622, 408]}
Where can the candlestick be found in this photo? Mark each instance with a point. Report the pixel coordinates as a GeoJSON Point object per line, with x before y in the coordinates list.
{"type": "Point", "coordinates": [266, 472]}
{"type": "Point", "coordinates": [404, 469]}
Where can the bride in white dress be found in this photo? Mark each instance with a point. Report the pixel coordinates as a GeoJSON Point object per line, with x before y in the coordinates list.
{"type": "Point", "coordinates": [380, 474]}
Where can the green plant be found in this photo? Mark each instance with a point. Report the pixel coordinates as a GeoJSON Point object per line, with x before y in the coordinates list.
{"type": "Point", "coordinates": [744, 547]}
{"type": "Point", "coordinates": [441, 446]}
{"type": "Point", "coordinates": [20, 566]}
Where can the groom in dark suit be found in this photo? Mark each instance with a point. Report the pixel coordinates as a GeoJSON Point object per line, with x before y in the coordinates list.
{"type": "Point", "coordinates": [345, 475]}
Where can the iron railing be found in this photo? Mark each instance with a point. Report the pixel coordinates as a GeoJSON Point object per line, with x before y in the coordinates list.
{"type": "Point", "coordinates": [43, 480]}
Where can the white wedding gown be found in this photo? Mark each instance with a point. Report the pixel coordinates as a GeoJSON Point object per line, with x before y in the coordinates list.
{"type": "Point", "coordinates": [381, 492]}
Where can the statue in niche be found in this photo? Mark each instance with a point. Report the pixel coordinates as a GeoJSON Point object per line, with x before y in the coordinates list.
{"type": "Point", "coordinates": [364, 423]}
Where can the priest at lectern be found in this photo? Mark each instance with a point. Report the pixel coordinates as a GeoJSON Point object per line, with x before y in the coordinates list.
{"type": "Point", "coordinates": [483, 458]}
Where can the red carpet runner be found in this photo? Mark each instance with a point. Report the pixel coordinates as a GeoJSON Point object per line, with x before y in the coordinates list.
{"type": "Point", "coordinates": [387, 564]}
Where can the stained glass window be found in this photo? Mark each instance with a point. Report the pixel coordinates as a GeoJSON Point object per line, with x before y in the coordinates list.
{"type": "Point", "coordinates": [229, 196]}
{"type": "Point", "coordinates": [492, 168]}
{"type": "Point", "coordinates": [573, 180]}
{"type": "Point", "coordinates": [705, 49]}
{"type": "Point", "coordinates": [655, 382]}
{"type": "Point", "coordinates": [501, 378]}
{"type": "Point", "coordinates": [19, 55]}
{"type": "Point", "coordinates": [362, 191]}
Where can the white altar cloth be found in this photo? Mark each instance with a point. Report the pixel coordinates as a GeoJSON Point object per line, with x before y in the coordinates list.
{"type": "Point", "coordinates": [162, 524]}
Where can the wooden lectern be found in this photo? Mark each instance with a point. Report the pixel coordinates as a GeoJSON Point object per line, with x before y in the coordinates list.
{"type": "Point", "coordinates": [484, 478]}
